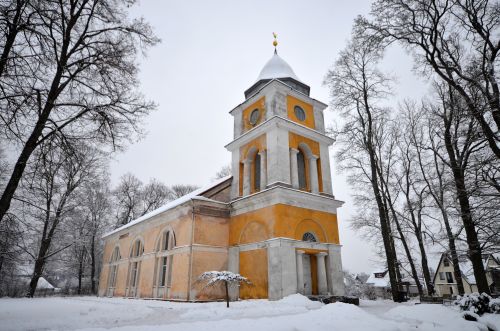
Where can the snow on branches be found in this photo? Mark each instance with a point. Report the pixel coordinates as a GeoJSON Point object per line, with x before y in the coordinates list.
{"type": "Point", "coordinates": [214, 277]}
{"type": "Point", "coordinates": [227, 278]}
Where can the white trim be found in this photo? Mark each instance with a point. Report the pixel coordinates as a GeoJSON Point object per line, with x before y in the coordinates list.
{"type": "Point", "coordinates": [279, 121]}
{"type": "Point", "coordinates": [287, 196]}
{"type": "Point", "coordinates": [288, 242]}
{"type": "Point", "coordinates": [297, 94]}
{"type": "Point", "coordinates": [208, 248]}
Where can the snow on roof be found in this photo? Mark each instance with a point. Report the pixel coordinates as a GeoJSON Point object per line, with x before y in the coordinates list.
{"type": "Point", "coordinates": [43, 284]}
{"type": "Point", "coordinates": [467, 271]}
{"type": "Point", "coordinates": [276, 67]}
{"type": "Point", "coordinates": [26, 270]}
{"type": "Point", "coordinates": [170, 205]}
{"type": "Point", "coordinates": [379, 282]}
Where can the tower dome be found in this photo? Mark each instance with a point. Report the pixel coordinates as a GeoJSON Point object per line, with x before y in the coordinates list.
{"type": "Point", "coordinates": [276, 67]}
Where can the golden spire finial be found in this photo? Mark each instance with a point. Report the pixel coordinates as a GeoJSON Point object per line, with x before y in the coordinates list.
{"type": "Point", "coordinates": [275, 42]}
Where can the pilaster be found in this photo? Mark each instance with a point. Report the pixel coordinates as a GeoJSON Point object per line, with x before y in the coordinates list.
{"type": "Point", "coordinates": [278, 159]}
{"type": "Point", "coordinates": [313, 173]}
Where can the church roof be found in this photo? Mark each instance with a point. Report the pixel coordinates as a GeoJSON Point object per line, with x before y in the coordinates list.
{"type": "Point", "coordinates": [276, 67]}
{"type": "Point", "coordinates": [195, 195]}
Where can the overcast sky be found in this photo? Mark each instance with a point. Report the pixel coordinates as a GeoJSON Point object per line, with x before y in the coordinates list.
{"type": "Point", "coordinates": [211, 52]}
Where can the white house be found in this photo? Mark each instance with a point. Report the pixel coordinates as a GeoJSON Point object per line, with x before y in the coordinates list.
{"type": "Point", "coordinates": [446, 285]}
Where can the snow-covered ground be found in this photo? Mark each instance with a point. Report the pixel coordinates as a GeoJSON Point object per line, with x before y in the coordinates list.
{"type": "Point", "coordinates": [292, 313]}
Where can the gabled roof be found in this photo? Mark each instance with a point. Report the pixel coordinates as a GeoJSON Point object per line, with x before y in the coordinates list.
{"type": "Point", "coordinates": [466, 267]}
{"type": "Point", "coordinates": [26, 271]}
{"type": "Point", "coordinates": [379, 282]}
{"type": "Point", "coordinates": [467, 271]}
{"type": "Point", "coordinates": [172, 204]}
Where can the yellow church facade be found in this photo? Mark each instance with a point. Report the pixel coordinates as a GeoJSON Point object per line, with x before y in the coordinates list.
{"type": "Point", "coordinates": [274, 221]}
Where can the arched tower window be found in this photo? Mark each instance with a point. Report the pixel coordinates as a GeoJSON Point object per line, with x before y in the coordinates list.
{"type": "Point", "coordinates": [310, 237]}
{"type": "Point", "coordinates": [301, 168]}
{"type": "Point", "coordinates": [256, 172]}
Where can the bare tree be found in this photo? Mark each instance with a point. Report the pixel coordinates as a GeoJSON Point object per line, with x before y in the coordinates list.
{"type": "Point", "coordinates": [223, 172]}
{"type": "Point", "coordinates": [154, 195]}
{"type": "Point", "coordinates": [456, 40]}
{"type": "Point", "coordinates": [386, 142]}
{"type": "Point", "coordinates": [48, 197]}
{"type": "Point", "coordinates": [73, 74]}
{"type": "Point", "coordinates": [128, 196]}
{"type": "Point", "coordinates": [436, 175]}
{"type": "Point", "coordinates": [180, 190]}
{"type": "Point", "coordinates": [414, 194]}
{"type": "Point", "coordinates": [459, 132]}
{"type": "Point", "coordinates": [356, 85]}
{"type": "Point", "coordinates": [96, 210]}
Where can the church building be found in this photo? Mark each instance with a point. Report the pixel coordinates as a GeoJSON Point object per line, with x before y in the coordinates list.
{"type": "Point", "coordinates": [273, 221]}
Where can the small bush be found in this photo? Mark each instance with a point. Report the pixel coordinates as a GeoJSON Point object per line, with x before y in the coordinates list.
{"type": "Point", "coordinates": [478, 303]}
{"type": "Point", "coordinates": [495, 306]}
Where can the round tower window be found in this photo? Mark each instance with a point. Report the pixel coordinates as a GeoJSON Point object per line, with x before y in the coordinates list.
{"type": "Point", "coordinates": [299, 113]}
{"type": "Point", "coordinates": [254, 116]}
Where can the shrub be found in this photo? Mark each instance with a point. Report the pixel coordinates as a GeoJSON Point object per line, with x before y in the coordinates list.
{"type": "Point", "coordinates": [476, 303]}
{"type": "Point", "coordinates": [495, 306]}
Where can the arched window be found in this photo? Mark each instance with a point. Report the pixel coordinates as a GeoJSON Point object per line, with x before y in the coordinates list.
{"type": "Point", "coordinates": [301, 168]}
{"type": "Point", "coordinates": [115, 256]}
{"type": "Point", "coordinates": [113, 270]}
{"type": "Point", "coordinates": [137, 249]}
{"type": "Point", "coordinates": [164, 263]}
{"type": "Point", "coordinates": [256, 174]}
{"type": "Point", "coordinates": [308, 236]}
{"type": "Point", "coordinates": [167, 241]}
{"type": "Point", "coordinates": [134, 267]}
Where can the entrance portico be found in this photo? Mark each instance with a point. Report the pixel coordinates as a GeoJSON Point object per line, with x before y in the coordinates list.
{"type": "Point", "coordinates": [295, 266]}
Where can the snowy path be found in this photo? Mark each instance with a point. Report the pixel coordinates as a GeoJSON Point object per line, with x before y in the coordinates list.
{"type": "Point", "coordinates": [292, 313]}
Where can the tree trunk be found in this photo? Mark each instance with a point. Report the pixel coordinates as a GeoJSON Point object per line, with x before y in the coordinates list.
{"type": "Point", "coordinates": [414, 272]}
{"type": "Point", "coordinates": [425, 265]}
{"type": "Point", "coordinates": [466, 213]}
{"type": "Point", "coordinates": [18, 171]}
{"type": "Point", "coordinates": [13, 30]}
{"type": "Point", "coordinates": [387, 206]}
{"type": "Point", "coordinates": [92, 265]}
{"type": "Point", "coordinates": [39, 264]}
{"type": "Point", "coordinates": [227, 294]}
{"type": "Point", "coordinates": [385, 230]}
{"type": "Point", "coordinates": [439, 200]}
{"type": "Point", "coordinates": [395, 254]}
{"type": "Point", "coordinates": [80, 271]}
{"type": "Point", "coordinates": [32, 142]}
{"type": "Point", "coordinates": [453, 253]}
